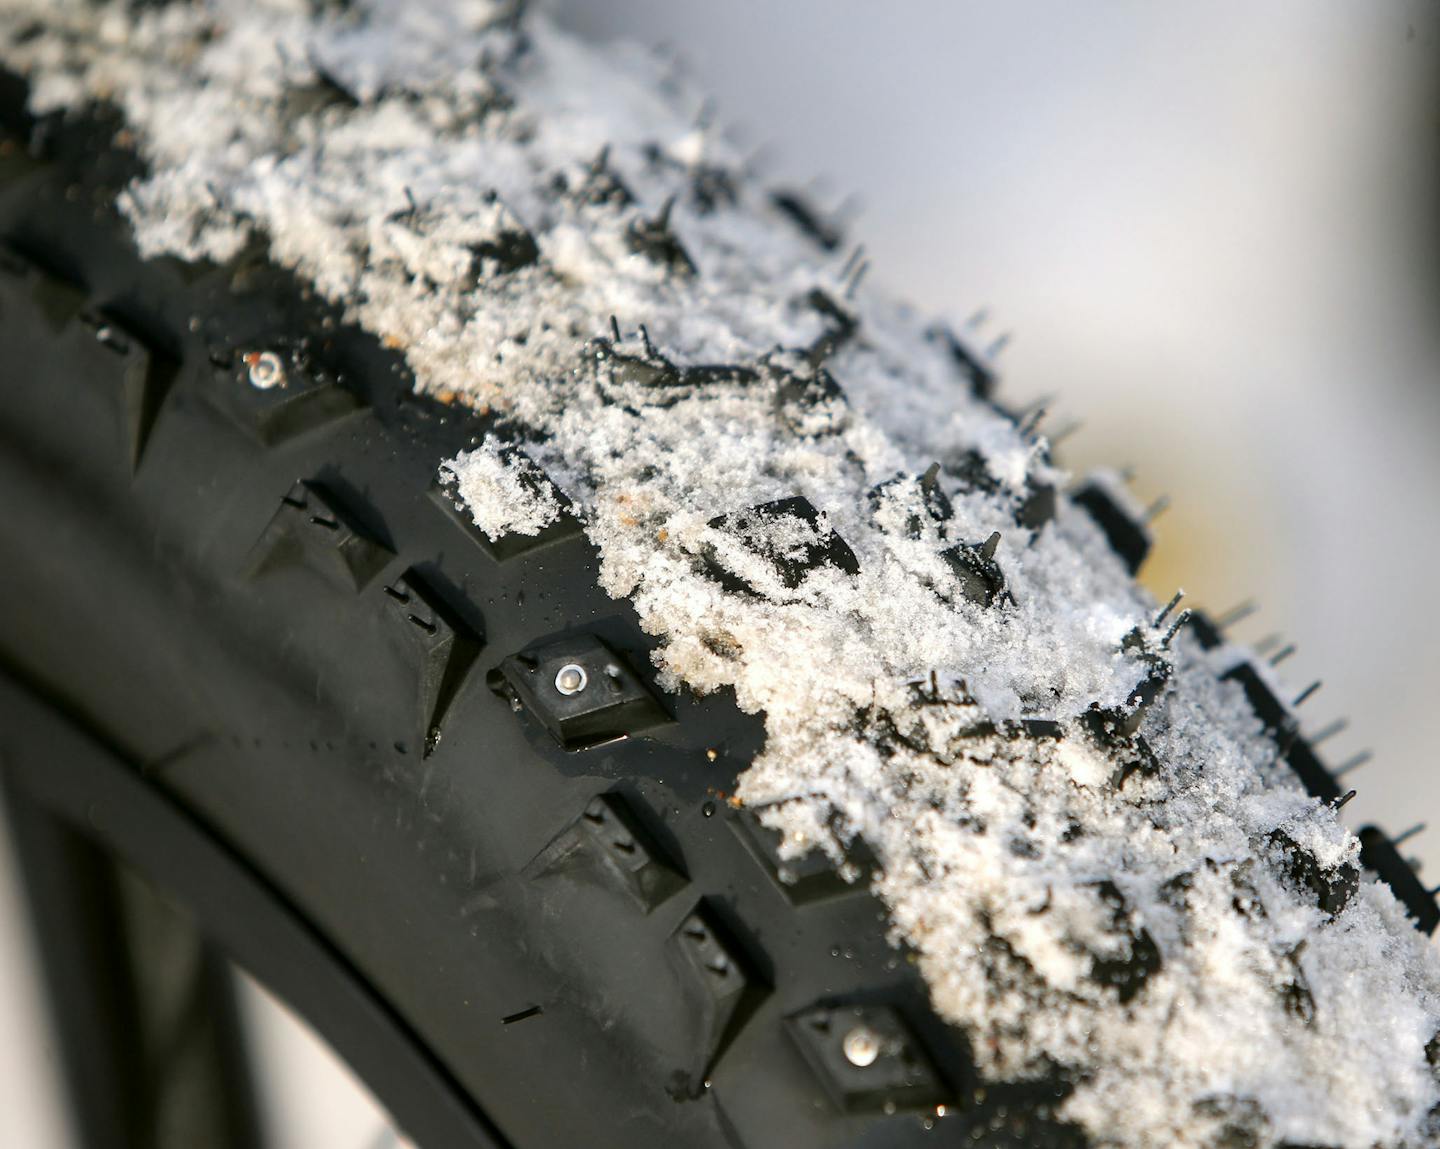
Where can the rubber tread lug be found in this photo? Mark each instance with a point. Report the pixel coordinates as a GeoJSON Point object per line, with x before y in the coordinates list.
{"type": "Point", "coordinates": [1128, 538]}
{"type": "Point", "coordinates": [607, 846]}
{"type": "Point", "coordinates": [437, 642]}
{"type": "Point", "coordinates": [824, 233]}
{"type": "Point", "coordinates": [1332, 886]}
{"type": "Point", "coordinates": [138, 375]}
{"type": "Point", "coordinates": [978, 373]}
{"type": "Point", "coordinates": [867, 1058]}
{"type": "Point", "coordinates": [1281, 725]}
{"type": "Point", "coordinates": [580, 690]}
{"type": "Point", "coordinates": [311, 529]}
{"type": "Point", "coordinates": [302, 397]}
{"type": "Point", "coordinates": [1311, 771]}
{"type": "Point", "coordinates": [54, 299]}
{"type": "Point", "coordinates": [811, 878]}
{"type": "Point", "coordinates": [1037, 507]}
{"type": "Point", "coordinates": [510, 546]}
{"type": "Point", "coordinates": [1206, 633]}
{"type": "Point", "coordinates": [979, 575]}
{"type": "Point", "coordinates": [1269, 709]}
{"type": "Point", "coordinates": [720, 981]}
{"type": "Point", "coordinates": [1382, 857]}
{"type": "Point", "coordinates": [752, 532]}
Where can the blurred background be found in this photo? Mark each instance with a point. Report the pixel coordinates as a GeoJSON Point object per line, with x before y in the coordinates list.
{"type": "Point", "coordinates": [1211, 228]}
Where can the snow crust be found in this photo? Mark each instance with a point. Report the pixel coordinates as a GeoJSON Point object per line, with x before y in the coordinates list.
{"type": "Point", "coordinates": [503, 490]}
{"type": "Point", "coordinates": [400, 155]}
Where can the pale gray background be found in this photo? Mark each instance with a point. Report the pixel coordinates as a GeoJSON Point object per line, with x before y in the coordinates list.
{"type": "Point", "coordinates": [1210, 225]}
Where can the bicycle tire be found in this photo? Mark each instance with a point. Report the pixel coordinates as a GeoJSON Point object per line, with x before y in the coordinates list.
{"type": "Point", "coordinates": [269, 601]}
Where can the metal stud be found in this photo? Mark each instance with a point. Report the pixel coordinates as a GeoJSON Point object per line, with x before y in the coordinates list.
{"type": "Point", "coordinates": [861, 1046]}
{"type": "Point", "coordinates": [266, 369]}
{"type": "Point", "coordinates": [571, 679]}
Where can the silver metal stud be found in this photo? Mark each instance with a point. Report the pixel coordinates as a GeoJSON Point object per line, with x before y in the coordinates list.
{"type": "Point", "coordinates": [861, 1046]}
{"type": "Point", "coordinates": [266, 370]}
{"type": "Point", "coordinates": [571, 679]}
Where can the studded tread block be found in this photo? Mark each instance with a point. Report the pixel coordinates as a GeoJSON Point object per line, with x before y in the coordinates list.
{"type": "Point", "coordinates": [867, 1058]}
{"type": "Point", "coordinates": [721, 981]}
{"type": "Point", "coordinates": [1333, 886]}
{"type": "Point", "coordinates": [1204, 630]}
{"type": "Point", "coordinates": [1382, 857]}
{"type": "Point", "coordinates": [277, 391]}
{"type": "Point", "coordinates": [810, 878]}
{"type": "Point", "coordinates": [1312, 772]}
{"type": "Point", "coordinates": [581, 691]}
{"type": "Point", "coordinates": [1282, 725]}
{"type": "Point", "coordinates": [564, 529]}
{"type": "Point", "coordinates": [1269, 709]}
{"type": "Point", "coordinates": [787, 537]}
{"type": "Point", "coordinates": [978, 373]}
{"type": "Point", "coordinates": [1128, 538]}
{"type": "Point", "coordinates": [1110, 724]}
{"type": "Point", "coordinates": [979, 576]}
{"type": "Point", "coordinates": [135, 377]}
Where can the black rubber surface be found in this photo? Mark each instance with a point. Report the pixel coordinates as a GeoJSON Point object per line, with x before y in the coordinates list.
{"type": "Point", "coordinates": [261, 601]}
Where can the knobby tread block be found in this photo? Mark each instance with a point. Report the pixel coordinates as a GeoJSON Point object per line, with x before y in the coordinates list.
{"type": "Point", "coordinates": [810, 878]}
{"type": "Point", "coordinates": [1332, 886]}
{"type": "Point", "coordinates": [1037, 506]}
{"type": "Point", "coordinates": [978, 574]}
{"type": "Point", "coordinates": [1268, 708]}
{"type": "Point", "coordinates": [1128, 537]}
{"type": "Point", "coordinates": [276, 391]}
{"type": "Point", "coordinates": [1311, 771]}
{"type": "Point", "coordinates": [867, 1058]}
{"type": "Point", "coordinates": [976, 371]}
{"type": "Point", "coordinates": [751, 531]}
{"type": "Point", "coordinates": [565, 528]}
{"type": "Point", "coordinates": [608, 846]}
{"type": "Point", "coordinates": [311, 528]}
{"type": "Point", "coordinates": [130, 373]}
{"type": "Point", "coordinates": [1202, 627]}
{"type": "Point", "coordinates": [1382, 857]}
{"type": "Point", "coordinates": [52, 299]}
{"type": "Point", "coordinates": [136, 377]}
{"type": "Point", "coordinates": [440, 646]}
{"type": "Point", "coordinates": [580, 690]}
{"type": "Point", "coordinates": [1283, 726]}
{"type": "Point", "coordinates": [719, 979]}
